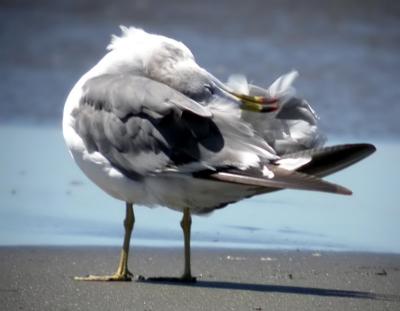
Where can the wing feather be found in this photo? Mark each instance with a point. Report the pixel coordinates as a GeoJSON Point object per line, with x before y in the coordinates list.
{"type": "Point", "coordinates": [281, 179]}
{"type": "Point", "coordinates": [143, 126]}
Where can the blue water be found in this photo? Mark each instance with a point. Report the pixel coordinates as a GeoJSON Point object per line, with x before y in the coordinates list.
{"type": "Point", "coordinates": [46, 200]}
{"type": "Point", "coordinates": [347, 53]}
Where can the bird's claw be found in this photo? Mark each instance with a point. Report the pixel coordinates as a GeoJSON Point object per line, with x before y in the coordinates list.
{"type": "Point", "coordinates": [126, 277]}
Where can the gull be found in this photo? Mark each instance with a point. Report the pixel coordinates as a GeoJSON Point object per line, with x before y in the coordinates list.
{"type": "Point", "coordinates": [151, 127]}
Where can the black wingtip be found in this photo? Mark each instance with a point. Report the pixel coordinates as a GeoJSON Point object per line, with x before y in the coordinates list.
{"type": "Point", "coordinates": [364, 148]}
{"type": "Point", "coordinates": [330, 159]}
{"type": "Point", "coordinates": [344, 190]}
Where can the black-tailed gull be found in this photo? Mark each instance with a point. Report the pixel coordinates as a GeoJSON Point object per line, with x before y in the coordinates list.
{"type": "Point", "coordinates": [149, 126]}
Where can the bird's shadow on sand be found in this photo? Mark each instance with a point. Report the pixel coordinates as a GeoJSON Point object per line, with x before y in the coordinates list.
{"type": "Point", "coordinates": [269, 288]}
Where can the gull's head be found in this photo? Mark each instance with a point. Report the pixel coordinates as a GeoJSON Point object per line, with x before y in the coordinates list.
{"type": "Point", "coordinates": [170, 62]}
{"type": "Point", "coordinates": [154, 56]}
{"type": "Point", "coordinates": [144, 46]}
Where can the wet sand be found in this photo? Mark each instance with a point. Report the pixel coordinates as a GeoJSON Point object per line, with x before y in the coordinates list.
{"type": "Point", "coordinates": [40, 278]}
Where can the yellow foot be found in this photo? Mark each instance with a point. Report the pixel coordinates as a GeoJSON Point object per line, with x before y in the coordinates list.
{"type": "Point", "coordinates": [117, 277]}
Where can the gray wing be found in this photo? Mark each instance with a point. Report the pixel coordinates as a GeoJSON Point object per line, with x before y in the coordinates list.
{"type": "Point", "coordinates": [143, 126]}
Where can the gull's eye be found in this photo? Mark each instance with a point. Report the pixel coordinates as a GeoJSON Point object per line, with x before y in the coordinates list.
{"type": "Point", "coordinates": [202, 94]}
{"type": "Point", "coordinates": [209, 89]}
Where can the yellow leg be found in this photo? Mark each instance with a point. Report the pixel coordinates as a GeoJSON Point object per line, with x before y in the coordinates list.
{"type": "Point", "coordinates": [122, 274]}
{"type": "Point", "coordinates": [186, 224]}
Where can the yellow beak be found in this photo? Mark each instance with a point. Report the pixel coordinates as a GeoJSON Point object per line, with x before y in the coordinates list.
{"type": "Point", "coordinates": [257, 103]}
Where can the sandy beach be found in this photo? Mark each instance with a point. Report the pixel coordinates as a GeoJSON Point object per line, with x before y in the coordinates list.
{"type": "Point", "coordinates": [40, 278]}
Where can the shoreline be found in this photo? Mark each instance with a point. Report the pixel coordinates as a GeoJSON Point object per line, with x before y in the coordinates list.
{"type": "Point", "coordinates": [178, 246]}
{"type": "Point", "coordinates": [41, 278]}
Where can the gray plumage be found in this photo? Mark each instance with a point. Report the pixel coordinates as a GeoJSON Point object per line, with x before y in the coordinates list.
{"type": "Point", "coordinates": [143, 126]}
